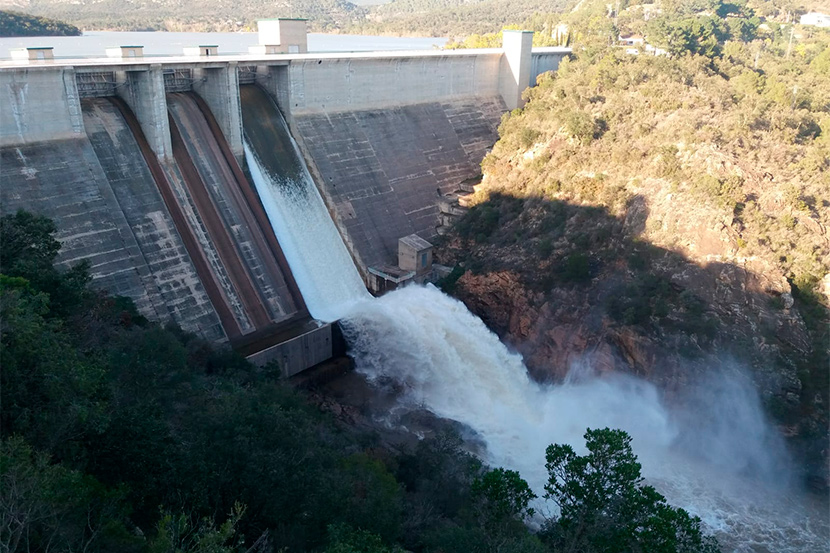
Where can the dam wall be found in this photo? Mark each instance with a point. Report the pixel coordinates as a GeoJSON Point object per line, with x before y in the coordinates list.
{"type": "Point", "coordinates": [39, 104]}
{"type": "Point", "coordinates": [170, 276]}
{"type": "Point", "coordinates": [387, 136]}
{"type": "Point", "coordinates": [383, 171]}
{"type": "Point", "coordinates": [140, 162]}
{"type": "Point", "coordinates": [372, 82]}
{"type": "Point", "coordinates": [543, 60]}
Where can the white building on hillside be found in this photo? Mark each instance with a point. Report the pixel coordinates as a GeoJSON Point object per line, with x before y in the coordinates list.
{"type": "Point", "coordinates": [816, 19]}
{"type": "Point", "coordinates": [632, 40]}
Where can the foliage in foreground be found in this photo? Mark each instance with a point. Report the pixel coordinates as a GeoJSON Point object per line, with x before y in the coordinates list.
{"type": "Point", "coordinates": [121, 435]}
{"type": "Point", "coordinates": [605, 507]}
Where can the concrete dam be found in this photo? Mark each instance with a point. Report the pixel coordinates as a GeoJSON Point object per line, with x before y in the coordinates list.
{"type": "Point", "coordinates": [145, 165]}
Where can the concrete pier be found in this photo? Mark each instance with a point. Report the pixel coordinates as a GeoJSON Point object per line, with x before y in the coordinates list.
{"type": "Point", "coordinates": [143, 90]}
{"type": "Point", "coordinates": [219, 88]}
{"type": "Point", "coordinates": [516, 64]}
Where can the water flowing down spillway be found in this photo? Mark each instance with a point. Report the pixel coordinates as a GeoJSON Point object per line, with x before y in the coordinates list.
{"type": "Point", "coordinates": [716, 457]}
{"type": "Point", "coordinates": [322, 266]}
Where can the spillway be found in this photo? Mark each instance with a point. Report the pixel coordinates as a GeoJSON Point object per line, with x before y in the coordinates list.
{"type": "Point", "coordinates": [319, 260]}
{"type": "Point", "coordinates": [133, 174]}
{"type": "Point", "coordinates": [245, 258]}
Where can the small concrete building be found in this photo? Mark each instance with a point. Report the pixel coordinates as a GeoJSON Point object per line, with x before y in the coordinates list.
{"type": "Point", "coordinates": [632, 40]}
{"type": "Point", "coordinates": [386, 278]}
{"type": "Point", "coordinates": [414, 265]}
{"type": "Point", "coordinates": [203, 50]}
{"type": "Point", "coordinates": [816, 19]}
{"type": "Point", "coordinates": [125, 52]}
{"type": "Point", "coordinates": [282, 36]}
{"type": "Point", "coordinates": [35, 53]}
{"type": "Point", "coordinates": [415, 254]}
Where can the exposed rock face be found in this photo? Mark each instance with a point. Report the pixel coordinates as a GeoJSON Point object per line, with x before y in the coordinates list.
{"type": "Point", "coordinates": [571, 326]}
{"type": "Point", "coordinates": [705, 310]}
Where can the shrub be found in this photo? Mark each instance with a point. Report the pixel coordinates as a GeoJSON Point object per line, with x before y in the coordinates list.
{"type": "Point", "coordinates": [581, 126]}
{"type": "Point", "coordinates": [576, 268]}
{"type": "Point", "coordinates": [527, 136]}
{"type": "Point", "coordinates": [545, 247]}
{"type": "Point", "coordinates": [669, 165]}
{"type": "Point", "coordinates": [479, 222]}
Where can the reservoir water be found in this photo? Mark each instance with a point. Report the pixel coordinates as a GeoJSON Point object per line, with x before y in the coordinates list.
{"type": "Point", "coordinates": [94, 43]}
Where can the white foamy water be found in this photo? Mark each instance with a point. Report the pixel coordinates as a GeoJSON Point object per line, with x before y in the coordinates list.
{"type": "Point", "coordinates": [322, 267]}
{"type": "Point", "coordinates": [715, 455]}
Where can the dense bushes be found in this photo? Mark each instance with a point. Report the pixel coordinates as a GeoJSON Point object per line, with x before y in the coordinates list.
{"type": "Point", "coordinates": [111, 418]}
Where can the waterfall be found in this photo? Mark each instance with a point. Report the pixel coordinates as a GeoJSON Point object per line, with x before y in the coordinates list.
{"type": "Point", "coordinates": [321, 264]}
{"type": "Point", "coordinates": [716, 457]}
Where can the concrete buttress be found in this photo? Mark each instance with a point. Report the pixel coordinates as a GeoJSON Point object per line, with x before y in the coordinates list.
{"type": "Point", "coordinates": [219, 88]}
{"type": "Point", "coordinates": [143, 91]}
{"type": "Point", "coordinates": [515, 69]}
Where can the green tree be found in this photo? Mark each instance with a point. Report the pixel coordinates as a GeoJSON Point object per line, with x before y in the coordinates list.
{"type": "Point", "coordinates": [175, 534]}
{"type": "Point", "coordinates": [345, 539]}
{"type": "Point", "coordinates": [501, 500]}
{"type": "Point", "coordinates": [47, 507]}
{"type": "Point", "coordinates": [30, 250]}
{"type": "Point", "coordinates": [604, 506]}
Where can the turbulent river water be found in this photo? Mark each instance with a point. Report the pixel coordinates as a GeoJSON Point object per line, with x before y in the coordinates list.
{"type": "Point", "coordinates": [711, 452]}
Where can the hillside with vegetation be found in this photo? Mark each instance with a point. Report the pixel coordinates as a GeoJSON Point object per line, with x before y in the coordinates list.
{"type": "Point", "coordinates": [662, 215]}
{"type": "Point", "coordinates": [13, 24]}
{"type": "Point", "coordinates": [453, 18]}
{"type": "Point", "coordinates": [184, 15]}
{"type": "Point", "coordinates": [405, 17]}
{"type": "Point", "coordinates": [456, 19]}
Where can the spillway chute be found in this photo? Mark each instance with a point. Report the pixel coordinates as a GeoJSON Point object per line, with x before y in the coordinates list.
{"type": "Point", "coordinates": [321, 264]}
